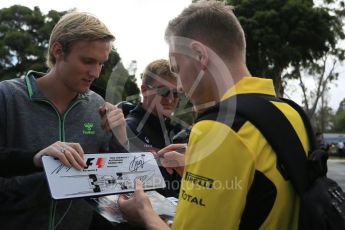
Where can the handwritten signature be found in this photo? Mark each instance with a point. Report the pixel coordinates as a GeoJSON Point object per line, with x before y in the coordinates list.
{"type": "Point", "coordinates": [60, 168]}
{"type": "Point", "coordinates": [136, 163]}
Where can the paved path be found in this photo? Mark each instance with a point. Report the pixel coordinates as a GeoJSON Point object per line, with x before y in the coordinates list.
{"type": "Point", "coordinates": [336, 171]}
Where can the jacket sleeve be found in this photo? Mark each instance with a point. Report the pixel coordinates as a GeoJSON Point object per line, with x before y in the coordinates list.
{"type": "Point", "coordinates": [13, 161]}
{"type": "Point", "coordinates": [16, 162]}
{"type": "Point", "coordinates": [17, 193]}
{"type": "Point", "coordinates": [3, 113]}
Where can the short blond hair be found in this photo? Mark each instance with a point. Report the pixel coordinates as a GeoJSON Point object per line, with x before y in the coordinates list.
{"type": "Point", "coordinates": [157, 69]}
{"type": "Point", "coordinates": [77, 26]}
{"type": "Point", "coordinates": [212, 23]}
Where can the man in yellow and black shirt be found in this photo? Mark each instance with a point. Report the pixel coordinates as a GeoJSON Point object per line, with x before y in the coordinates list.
{"type": "Point", "coordinates": [231, 178]}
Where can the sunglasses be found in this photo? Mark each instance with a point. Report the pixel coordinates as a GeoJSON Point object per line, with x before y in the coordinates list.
{"type": "Point", "coordinates": [164, 91]}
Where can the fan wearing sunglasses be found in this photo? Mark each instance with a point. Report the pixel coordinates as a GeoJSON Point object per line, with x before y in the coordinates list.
{"type": "Point", "coordinates": [149, 124]}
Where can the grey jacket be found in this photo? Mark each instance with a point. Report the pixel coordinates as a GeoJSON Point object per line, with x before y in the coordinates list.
{"type": "Point", "coordinates": [30, 121]}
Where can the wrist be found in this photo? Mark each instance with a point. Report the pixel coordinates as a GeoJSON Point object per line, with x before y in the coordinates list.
{"type": "Point", "coordinates": [122, 140]}
{"type": "Point", "coordinates": [152, 220]}
{"type": "Point", "coordinates": [120, 133]}
{"type": "Point", "coordinates": [37, 160]}
{"type": "Point", "coordinates": [126, 144]}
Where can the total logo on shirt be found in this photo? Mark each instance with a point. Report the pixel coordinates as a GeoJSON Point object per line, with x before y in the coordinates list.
{"type": "Point", "coordinates": [192, 199]}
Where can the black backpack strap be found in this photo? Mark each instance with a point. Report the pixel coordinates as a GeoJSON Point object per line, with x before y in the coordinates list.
{"type": "Point", "coordinates": [317, 162]}
{"type": "Point", "coordinates": [278, 131]}
{"type": "Point", "coordinates": [306, 121]}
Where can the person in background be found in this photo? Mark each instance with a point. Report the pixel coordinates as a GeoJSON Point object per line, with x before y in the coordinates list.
{"type": "Point", "coordinates": [340, 146]}
{"type": "Point", "coordinates": [149, 123]}
{"type": "Point", "coordinates": [320, 142]}
{"type": "Point", "coordinates": [231, 178]}
{"type": "Point", "coordinates": [43, 108]}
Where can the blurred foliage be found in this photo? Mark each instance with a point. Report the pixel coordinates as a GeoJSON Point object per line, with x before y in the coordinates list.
{"type": "Point", "coordinates": [285, 34]}
{"type": "Point", "coordinates": [121, 86]}
{"type": "Point", "coordinates": [339, 118]}
{"type": "Point", "coordinates": [289, 34]}
{"type": "Point", "coordinates": [339, 122]}
{"type": "Point", "coordinates": [24, 38]}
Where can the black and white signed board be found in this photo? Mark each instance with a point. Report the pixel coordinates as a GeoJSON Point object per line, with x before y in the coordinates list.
{"type": "Point", "coordinates": [110, 173]}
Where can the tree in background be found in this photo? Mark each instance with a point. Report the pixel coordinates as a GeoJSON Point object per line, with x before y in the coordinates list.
{"type": "Point", "coordinates": [24, 38]}
{"type": "Point", "coordinates": [132, 91]}
{"type": "Point", "coordinates": [294, 39]}
{"type": "Point", "coordinates": [314, 82]}
{"type": "Point", "coordinates": [122, 85]}
{"type": "Point", "coordinates": [320, 74]}
{"type": "Point", "coordinates": [24, 35]}
{"type": "Point", "coordinates": [323, 119]}
{"type": "Point", "coordinates": [339, 122]}
{"type": "Point", "coordinates": [321, 71]}
{"type": "Point", "coordinates": [288, 34]}
{"type": "Point", "coordinates": [339, 119]}
{"type": "Point", "coordinates": [341, 106]}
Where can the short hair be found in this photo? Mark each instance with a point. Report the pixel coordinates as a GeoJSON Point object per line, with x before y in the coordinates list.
{"type": "Point", "coordinates": [76, 26]}
{"type": "Point", "coordinates": [212, 23]}
{"type": "Point", "coordinates": [157, 69]}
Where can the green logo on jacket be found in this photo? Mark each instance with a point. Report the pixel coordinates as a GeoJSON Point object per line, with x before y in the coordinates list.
{"type": "Point", "coordinates": [88, 129]}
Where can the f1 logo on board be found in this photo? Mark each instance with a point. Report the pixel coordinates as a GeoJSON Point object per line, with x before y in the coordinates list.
{"type": "Point", "coordinates": [98, 162]}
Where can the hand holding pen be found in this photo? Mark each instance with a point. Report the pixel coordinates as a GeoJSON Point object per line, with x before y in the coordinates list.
{"type": "Point", "coordinates": [172, 158]}
{"type": "Point", "coordinates": [113, 121]}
